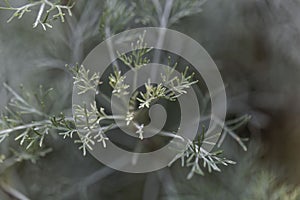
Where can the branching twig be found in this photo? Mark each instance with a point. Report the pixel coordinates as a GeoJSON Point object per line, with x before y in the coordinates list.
{"type": "Point", "coordinates": [44, 15]}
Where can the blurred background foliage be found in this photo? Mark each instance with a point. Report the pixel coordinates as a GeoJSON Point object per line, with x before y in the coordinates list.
{"type": "Point", "coordinates": [254, 43]}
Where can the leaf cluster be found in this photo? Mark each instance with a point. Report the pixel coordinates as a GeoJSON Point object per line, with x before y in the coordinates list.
{"type": "Point", "coordinates": [46, 11]}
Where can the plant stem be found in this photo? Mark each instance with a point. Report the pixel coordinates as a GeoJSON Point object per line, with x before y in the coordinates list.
{"type": "Point", "coordinates": [31, 125]}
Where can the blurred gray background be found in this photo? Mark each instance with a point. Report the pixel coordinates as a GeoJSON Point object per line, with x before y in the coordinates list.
{"type": "Point", "coordinates": [255, 44]}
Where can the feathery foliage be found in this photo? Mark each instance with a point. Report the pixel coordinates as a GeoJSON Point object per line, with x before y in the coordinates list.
{"type": "Point", "coordinates": [115, 17]}
{"type": "Point", "coordinates": [88, 118]}
{"type": "Point", "coordinates": [46, 11]}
